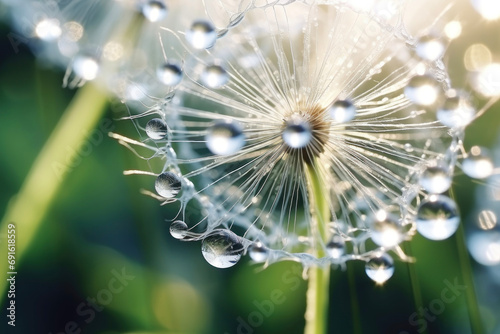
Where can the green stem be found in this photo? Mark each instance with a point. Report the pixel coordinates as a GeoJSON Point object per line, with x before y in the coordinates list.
{"type": "Point", "coordinates": [415, 284]}
{"type": "Point", "coordinates": [465, 267]}
{"type": "Point", "coordinates": [470, 293]}
{"type": "Point", "coordinates": [319, 277]}
{"type": "Point", "coordinates": [27, 209]}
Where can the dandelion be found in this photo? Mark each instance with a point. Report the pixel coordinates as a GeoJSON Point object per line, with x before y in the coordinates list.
{"type": "Point", "coordinates": [315, 131]}
{"type": "Point", "coordinates": [319, 133]}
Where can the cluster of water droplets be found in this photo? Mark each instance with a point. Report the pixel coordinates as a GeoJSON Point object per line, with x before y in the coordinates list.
{"type": "Point", "coordinates": [187, 64]}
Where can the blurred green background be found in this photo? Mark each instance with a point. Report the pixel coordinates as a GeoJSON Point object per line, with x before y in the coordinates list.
{"type": "Point", "coordinates": [100, 227]}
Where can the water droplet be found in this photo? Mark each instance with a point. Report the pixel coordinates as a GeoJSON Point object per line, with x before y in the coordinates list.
{"type": "Point", "coordinates": [168, 184]}
{"type": "Point", "coordinates": [48, 30]}
{"type": "Point", "coordinates": [201, 35]}
{"type": "Point", "coordinates": [422, 90]}
{"type": "Point", "coordinates": [157, 129]}
{"type": "Point", "coordinates": [169, 74]}
{"type": "Point", "coordinates": [437, 217]}
{"type": "Point", "coordinates": [486, 81]}
{"type": "Point", "coordinates": [484, 246]}
{"type": "Point", "coordinates": [297, 133]}
{"type": "Point", "coordinates": [222, 249]}
{"type": "Point", "coordinates": [478, 163]}
{"type": "Point", "coordinates": [178, 229]}
{"type": "Point", "coordinates": [154, 10]}
{"type": "Point", "coordinates": [430, 48]}
{"type": "Point", "coordinates": [408, 147]}
{"type": "Point", "coordinates": [456, 111]}
{"type": "Point", "coordinates": [435, 179]}
{"type": "Point", "coordinates": [86, 67]}
{"type": "Point", "coordinates": [336, 247]}
{"type": "Point", "coordinates": [489, 9]}
{"type": "Point", "coordinates": [342, 111]}
{"type": "Point", "coordinates": [380, 268]}
{"type": "Point", "coordinates": [225, 138]}
{"type": "Point", "coordinates": [487, 219]}
{"type": "Point", "coordinates": [214, 76]}
{"type": "Point", "coordinates": [258, 252]}
{"type": "Point", "coordinates": [386, 231]}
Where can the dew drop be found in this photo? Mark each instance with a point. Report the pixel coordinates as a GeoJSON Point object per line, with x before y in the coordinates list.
{"type": "Point", "coordinates": [297, 132]}
{"type": "Point", "coordinates": [386, 231]}
{"type": "Point", "coordinates": [48, 30]}
{"type": "Point", "coordinates": [336, 247]}
{"type": "Point", "coordinates": [258, 252]}
{"type": "Point", "coordinates": [380, 268]}
{"type": "Point", "coordinates": [484, 247]}
{"type": "Point", "coordinates": [342, 111]}
{"type": "Point", "coordinates": [456, 111]}
{"type": "Point", "coordinates": [86, 67]}
{"type": "Point", "coordinates": [168, 184]}
{"type": "Point", "coordinates": [435, 179]}
{"type": "Point", "coordinates": [169, 74]}
{"type": "Point", "coordinates": [222, 249]}
{"type": "Point", "coordinates": [201, 35]}
{"type": "Point", "coordinates": [154, 10]}
{"type": "Point", "coordinates": [486, 80]}
{"type": "Point", "coordinates": [478, 163]}
{"type": "Point", "coordinates": [422, 90]}
{"type": "Point", "coordinates": [437, 217]}
{"type": "Point", "coordinates": [408, 147]}
{"type": "Point", "coordinates": [178, 229]}
{"type": "Point", "coordinates": [214, 76]}
{"type": "Point", "coordinates": [489, 9]}
{"type": "Point", "coordinates": [430, 48]}
{"type": "Point", "coordinates": [225, 138]}
{"type": "Point", "coordinates": [157, 129]}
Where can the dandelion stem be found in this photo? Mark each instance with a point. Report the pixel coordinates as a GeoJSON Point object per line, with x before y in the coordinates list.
{"type": "Point", "coordinates": [472, 304]}
{"type": "Point", "coordinates": [319, 276]}
{"type": "Point", "coordinates": [28, 208]}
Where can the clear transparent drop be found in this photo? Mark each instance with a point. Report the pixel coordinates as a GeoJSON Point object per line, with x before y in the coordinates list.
{"type": "Point", "coordinates": [380, 268]}
{"type": "Point", "coordinates": [422, 90]}
{"type": "Point", "coordinates": [297, 132]}
{"type": "Point", "coordinates": [435, 179]}
{"type": "Point", "coordinates": [437, 218]}
{"type": "Point", "coordinates": [486, 80]}
{"type": "Point", "coordinates": [478, 163]}
{"type": "Point", "coordinates": [222, 249]}
{"type": "Point", "coordinates": [430, 48]}
{"type": "Point", "coordinates": [157, 129]}
{"type": "Point", "coordinates": [386, 231]}
{"type": "Point", "coordinates": [336, 247]}
{"type": "Point", "coordinates": [225, 138]}
{"type": "Point", "coordinates": [408, 147]}
{"type": "Point", "coordinates": [484, 246]}
{"type": "Point", "coordinates": [489, 9]}
{"type": "Point", "coordinates": [456, 111]}
{"type": "Point", "coordinates": [168, 184]}
{"type": "Point", "coordinates": [258, 252]}
{"type": "Point", "coordinates": [342, 111]}
{"type": "Point", "coordinates": [487, 219]}
{"type": "Point", "coordinates": [178, 229]}
{"type": "Point", "coordinates": [48, 30]}
{"type": "Point", "coordinates": [214, 76]}
{"type": "Point", "coordinates": [155, 10]}
{"type": "Point", "coordinates": [201, 35]}
{"type": "Point", "coordinates": [86, 67]}
{"type": "Point", "coordinates": [169, 74]}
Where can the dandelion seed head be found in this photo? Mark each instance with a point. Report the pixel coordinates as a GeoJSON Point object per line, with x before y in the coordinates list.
{"type": "Point", "coordinates": [285, 90]}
